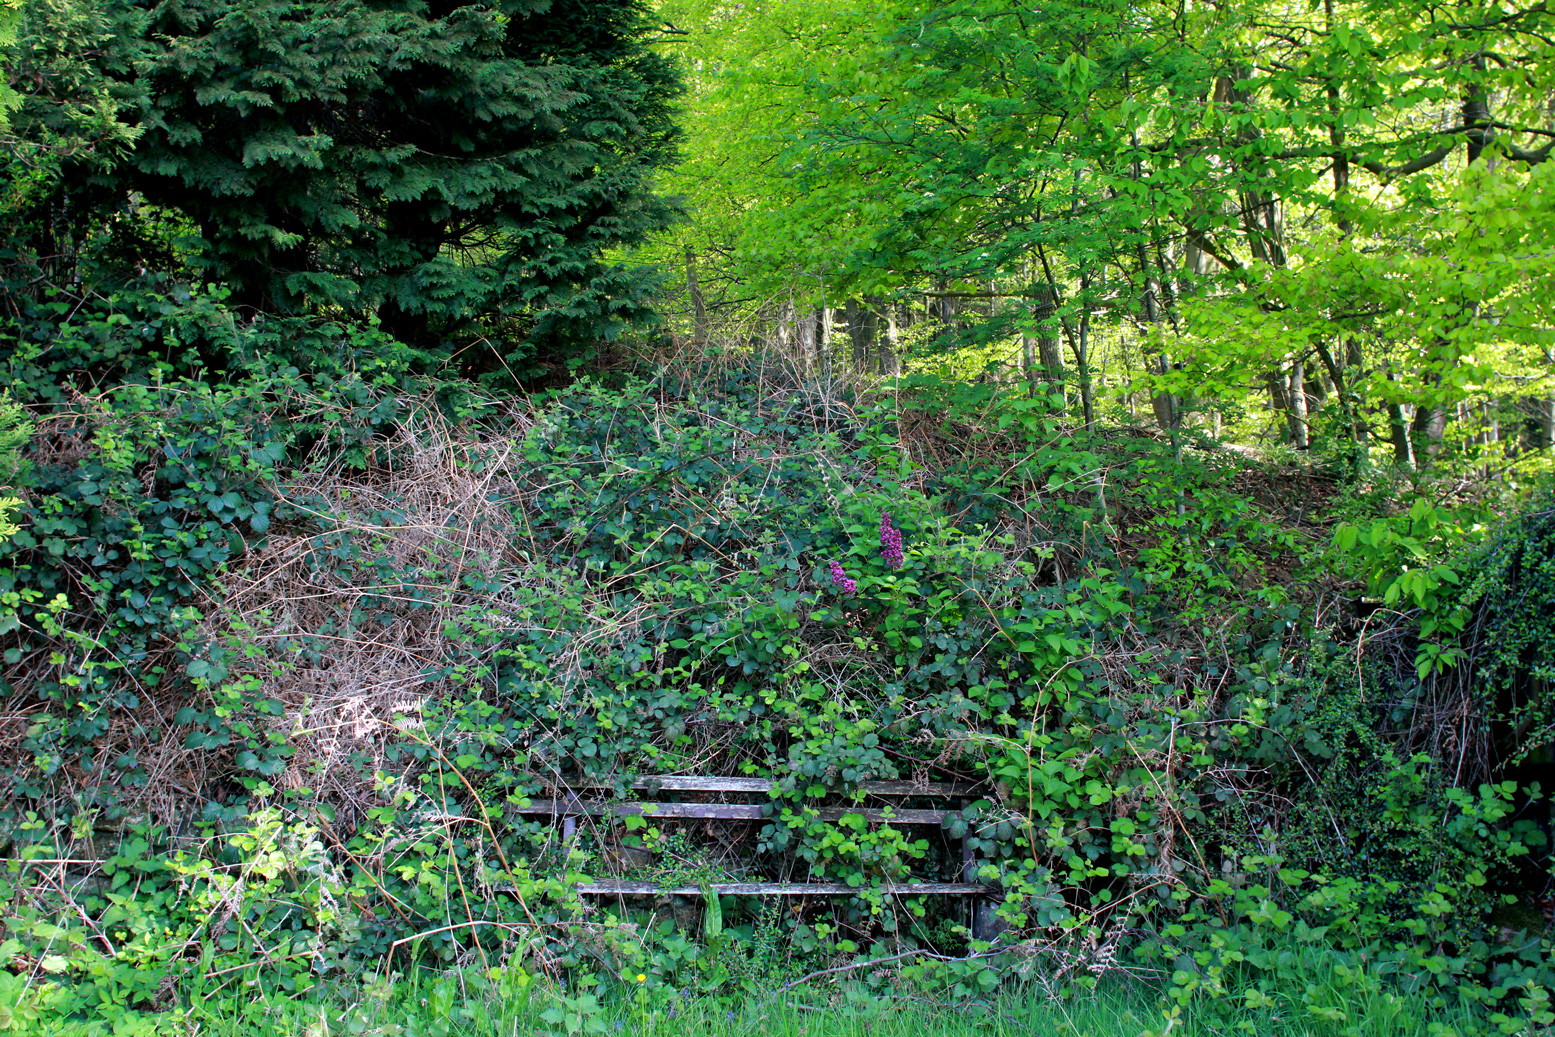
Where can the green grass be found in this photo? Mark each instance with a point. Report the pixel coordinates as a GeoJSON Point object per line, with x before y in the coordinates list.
{"type": "Point", "coordinates": [448, 1006]}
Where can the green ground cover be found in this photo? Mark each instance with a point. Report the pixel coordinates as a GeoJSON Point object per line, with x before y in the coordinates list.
{"type": "Point", "coordinates": [469, 1004]}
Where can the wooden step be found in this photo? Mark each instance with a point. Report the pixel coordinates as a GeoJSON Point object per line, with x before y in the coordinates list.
{"type": "Point", "coordinates": [782, 889]}
{"type": "Point", "coordinates": [728, 811]}
{"type": "Point", "coordinates": [696, 783]}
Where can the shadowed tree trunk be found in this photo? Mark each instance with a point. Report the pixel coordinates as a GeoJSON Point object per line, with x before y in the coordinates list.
{"type": "Point", "coordinates": [863, 330]}
{"type": "Point", "coordinates": [1430, 423]}
{"type": "Point", "coordinates": [890, 345]}
{"type": "Point", "coordinates": [825, 350]}
{"type": "Point", "coordinates": [694, 289]}
{"type": "Point", "coordinates": [1544, 423]}
{"type": "Point", "coordinates": [1278, 383]}
{"type": "Point", "coordinates": [1426, 432]}
{"type": "Point", "coordinates": [1342, 379]}
{"type": "Point", "coordinates": [1043, 354]}
{"type": "Point", "coordinates": [1150, 307]}
{"type": "Point", "coordinates": [807, 341]}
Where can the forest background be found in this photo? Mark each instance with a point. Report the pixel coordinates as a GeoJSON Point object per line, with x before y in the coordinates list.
{"type": "Point", "coordinates": [415, 414]}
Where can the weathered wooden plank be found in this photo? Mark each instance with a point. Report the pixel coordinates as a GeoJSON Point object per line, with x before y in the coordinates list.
{"type": "Point", "coordinates": [782, 889]}
{"type": "Point", "coordinates": [727, 811]}
{"type": "Point", "coordinates": [714, 783]}
{"type": "Point", "coordinates": [594, 808]}
{"type": "Point", "coordinates": [910, 788]}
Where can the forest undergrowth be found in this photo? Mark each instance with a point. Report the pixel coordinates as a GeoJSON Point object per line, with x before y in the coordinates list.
{"type": "Point", "coordinates": [291, 661]}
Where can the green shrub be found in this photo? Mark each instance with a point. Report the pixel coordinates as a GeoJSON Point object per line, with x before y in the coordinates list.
{"type": "Point", "coordinates": [433, 623]}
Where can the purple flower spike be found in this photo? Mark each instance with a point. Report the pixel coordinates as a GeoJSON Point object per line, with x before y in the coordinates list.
{"type": "Point", "coordinates": [840, 579]}
{"type": "Point", "coordinates": [890, 543]}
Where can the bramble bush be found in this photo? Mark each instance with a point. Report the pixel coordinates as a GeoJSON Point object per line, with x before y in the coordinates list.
{"type": "Point", "coordinates": [375, 626]}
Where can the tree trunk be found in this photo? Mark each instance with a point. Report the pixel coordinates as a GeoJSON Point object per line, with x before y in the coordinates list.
{"type": "Point", "coordinates": [1544, 427]}
{"type": "Point", "coordinates": [1355, 370]}
{"type": "Point", "coordinates": [1278, 382]}
{"type": "Point", "coordinates": [1050, 354]}
{"type": "Point", "coordinates": [1298, 406]}
{"type": "Point", "coordinates": [1195, 265]}
{"type": "Point", "coordinates": [1341, 380]}
{"type": "Point", "coordinates": [1489, 433]}
{"type": "Point", "coordinates": [805, 340]}
{"type": "Point", "coordinates": [1403, 454]}
{"type": "Point", "coordinates": [787, 337]}
{"type": "Point", "coordinates": [890, 349]}
{"type": "Point", "coordinates": [1398, 424]}
{"type": "Point", "coordinates": [1164, 406]}
{"type": "Point", "coordinates": [1082, 360]}
{"type": "Point", "coordinates": [1319, 388]}
{"type": "Point", "coordinates": [694, 289]}
{"type": "Point", "coordinates": [1161, 403]}
{"type": "Point", "coordinates": [825, 353]}
{"type": "Point", "coordinates": [1426, 433]}
{"type": "Point", "coordinates": [861, 332]}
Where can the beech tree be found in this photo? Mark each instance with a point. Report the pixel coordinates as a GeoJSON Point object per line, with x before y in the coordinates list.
{"type": "Point", "coordinates": [1335, 214]}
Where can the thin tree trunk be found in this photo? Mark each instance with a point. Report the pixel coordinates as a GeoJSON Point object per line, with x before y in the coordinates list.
{"type": "Point", "coordinates": [1161, 403]}
{"type": "Point", "coordinates": [1430, 422]}
{"type": "Point", "coordinates": [1544, 437]}
{"type": "Point", "coordinates": [1298, 405]}
{"type": "Point", "coordinates": [862, 324]}
{"type": "Point", "coordinates": [1128, 377]}
{"type": "Point", "coordinates": [805, 340]}
{"type": "Point", "coordinates": [826, 336]}
{"type": "Point", "coordinates": [1083, 363]}
{"type": "Point", "coordinates": [1426, 432]}
{"type": "Point", "coordinates": [1319, 388]}
{"type": "Point", "coordinates": [1278, 382]}
{"type": "Point", "coordinates": [1341, 380]}
{"type": "Point", "coordinates": [694, 289]}
{"type": "Point", "coordinates": [1398, 424]}
{"type": "Point", "coordinates": [1049, 353]}
{"type": "Point", "coordinates": [891, 343]}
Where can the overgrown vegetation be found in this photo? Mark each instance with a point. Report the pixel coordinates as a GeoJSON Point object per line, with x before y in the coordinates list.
{"type": "Point", "coordinates": [411, 629]}
{"type": "Point", "coordinates": [309, 611]}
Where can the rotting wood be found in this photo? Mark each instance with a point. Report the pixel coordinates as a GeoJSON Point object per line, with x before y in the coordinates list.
{"type": "Point", "coordinates": [692, 783]}
{"type": "Point", "coordinates": [782, 889]}
{"type": "Point", "coordinates": [571, 805]}
{"type": "Point", "coordinates": [728, 811]}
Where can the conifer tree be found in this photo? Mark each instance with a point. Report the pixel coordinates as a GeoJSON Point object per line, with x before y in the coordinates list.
{"type": "Point", "coordinates": [439, 164]}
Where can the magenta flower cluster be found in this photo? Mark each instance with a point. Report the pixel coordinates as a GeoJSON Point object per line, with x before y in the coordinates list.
{"type": "Point", "coordinates": [840, 579]}
{"type": "Point", "coordinates": [890, 543]}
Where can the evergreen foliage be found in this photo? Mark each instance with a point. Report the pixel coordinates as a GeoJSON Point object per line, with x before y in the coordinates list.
{"type": "Point", "coordinates": [10, 16]}
{"type": "Point", "coordinates": [453, 172]}
{"type": "Point", "coordinates": [430, 163]}
{"type": "Point", "coordinates": [15, 431]}
{"type": "Point", "coordinates": [71, 69]}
